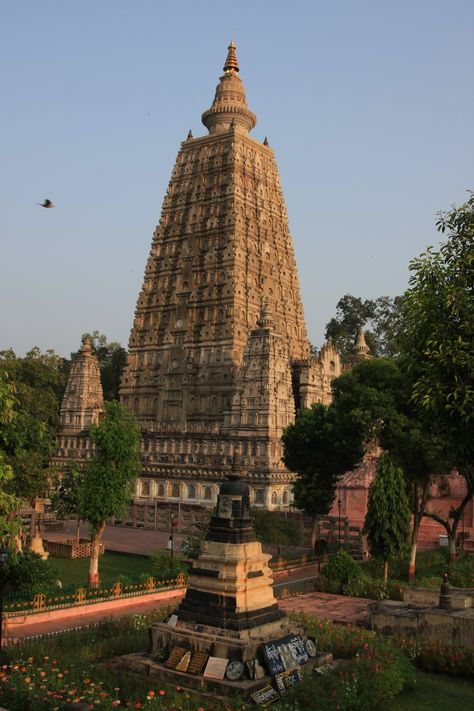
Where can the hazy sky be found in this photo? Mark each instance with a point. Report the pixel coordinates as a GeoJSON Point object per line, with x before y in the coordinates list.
{"type": "Point", "coordinates": [368, 105]}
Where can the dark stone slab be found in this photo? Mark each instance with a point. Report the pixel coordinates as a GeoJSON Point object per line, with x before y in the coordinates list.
{"type": "Point", "coordinates": [220, 611]}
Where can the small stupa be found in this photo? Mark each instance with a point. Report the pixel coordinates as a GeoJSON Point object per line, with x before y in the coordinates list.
{"type": "Point", "coordinates": [230, 584]}
{"type": "Point", "coordinates": [229, 629]}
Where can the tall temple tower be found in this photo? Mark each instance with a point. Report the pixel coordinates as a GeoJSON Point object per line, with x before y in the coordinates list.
{"type": "Point", "coordinates": [219, 323]}
{"type": "Point", "coordinates": [81, 407]}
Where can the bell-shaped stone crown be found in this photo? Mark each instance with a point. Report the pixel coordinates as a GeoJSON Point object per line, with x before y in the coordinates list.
{"type": "Point", "coordinates": [361, 347]}
{"type": "Point", "coordinates": [229, 107]}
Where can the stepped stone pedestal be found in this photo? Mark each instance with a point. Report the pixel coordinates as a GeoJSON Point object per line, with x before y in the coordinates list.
{"type": "Point", "coordinates": [228, 632]}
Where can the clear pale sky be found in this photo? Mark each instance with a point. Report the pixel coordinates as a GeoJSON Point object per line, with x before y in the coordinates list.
{"type": "Point", "coordinates": [368, 105]}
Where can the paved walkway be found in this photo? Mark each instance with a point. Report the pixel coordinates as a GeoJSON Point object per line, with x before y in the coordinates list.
{"type": "Point", "coordinates": [337, 608]}
{"type": "Point", "coordinates": [120, 538]}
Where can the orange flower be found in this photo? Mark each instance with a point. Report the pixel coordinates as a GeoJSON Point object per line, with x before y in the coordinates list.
{"type": "Point", "coordinates": [161, 692]}
{"type": "Point", "coordinates": [151, 693]}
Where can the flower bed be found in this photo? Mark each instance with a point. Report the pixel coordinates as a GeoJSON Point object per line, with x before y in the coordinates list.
{"type": "Point", "coordinates": [78, 666]}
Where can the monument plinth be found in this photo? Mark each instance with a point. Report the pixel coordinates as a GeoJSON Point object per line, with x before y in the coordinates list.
{"type": "Point", "coordinates": [228, 631]}
{"type": "Point", "coordinates": [229, 607]}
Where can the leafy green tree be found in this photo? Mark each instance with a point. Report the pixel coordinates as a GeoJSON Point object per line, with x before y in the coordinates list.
{"type": "Point", "coordinates": [112, 358]}
{"type": "Point", "coordinates": [387, 522]}
{"type": "Point", "coordinates": [28, 439]}
{"type": "Point", "coordinates": [438, 342]}
{"type": "Point", "coordinates": [381, 316]}
{"type": "Point", "coordinates": [109, 475]}
{"type": "Point", "coordinates": [379, 391]}
{"type": "Point", "coordinates": [10, 524]}
{"type": "Point", "coordinates": [319, 447]}
{"type": "Point", "coordinates": [65, 494]}
{"type": "Point", "coordinates": [273, 529]}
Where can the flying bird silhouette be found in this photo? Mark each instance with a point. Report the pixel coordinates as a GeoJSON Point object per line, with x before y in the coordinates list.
{"type": "Point", "coordinates": [46, 203]}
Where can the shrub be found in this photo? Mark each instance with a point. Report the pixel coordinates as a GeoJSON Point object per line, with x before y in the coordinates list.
{"type": "Point", "coordinates": [438, 658]}
{"type": "Point", "coordinates": [461, 573]}
{"type": "Point", "coordinates": [31, 574]}
{"type": "Point", "coordinates": [160, 565]}
{"type": "Point", "coordinates": [341, 569]}
{"type": "Point", "coordinates": [377, 675]}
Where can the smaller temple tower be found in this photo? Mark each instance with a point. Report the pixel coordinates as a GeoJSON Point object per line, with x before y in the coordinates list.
{"type": "Point", "coordinates": [360, 352]}
{"type": "Point", "coordinates": [81, 407]}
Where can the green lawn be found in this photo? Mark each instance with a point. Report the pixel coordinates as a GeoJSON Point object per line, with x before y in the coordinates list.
{"type": "Point", "coordinates": [74, 572]}
{"type": "Point", "coordinates": [436, 693]}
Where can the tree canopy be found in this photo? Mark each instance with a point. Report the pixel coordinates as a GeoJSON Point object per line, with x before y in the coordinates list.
{"type": "Point", "coordinates": [437, 341]}
{"type": "Point", "coordinates": [381, 316]}
{"type": "Point", "coordinates": [28, 439]}
{"type": "Point", "coordinates": [109, 475]}
{"type": "Point", "coordinates": [319, 447]}
{"type": "Point", "coordinates": [387, 522]}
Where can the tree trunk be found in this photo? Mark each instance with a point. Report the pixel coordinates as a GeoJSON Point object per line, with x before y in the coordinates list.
{"type": "Point", "coordinates": [419, 505]}
{"type": "Point", "coordinates": [385, 572]}
{"type": "Point", "coordinates": [96, 536]}
{"type": "Point", "coordinates": [452, 546]}
{"type": "Point", "coordinates": [314, 533]}
{"type": "Point", "coordinates": [78, 529]}
{"type": "Point", "coordinates": [414, 545]}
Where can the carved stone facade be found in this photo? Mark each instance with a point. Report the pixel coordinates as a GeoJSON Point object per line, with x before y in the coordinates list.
{"type": "Point", "coordinates": [219, 357]}
{"type": "Point", "coordinates": [81, 407]}
{"type": "Point", "coordinates": [209, 373]}
{"type": "Point", "coordinates": [316, 375]}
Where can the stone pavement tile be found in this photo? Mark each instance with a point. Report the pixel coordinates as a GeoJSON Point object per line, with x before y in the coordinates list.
{"type": "Point", "coordinates": [336, 608]}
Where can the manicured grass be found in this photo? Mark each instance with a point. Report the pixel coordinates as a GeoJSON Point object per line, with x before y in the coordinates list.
{"type": "Point", "coordinates": [435, 693]}
{"type": "Point", "coordinates": [111, 565]}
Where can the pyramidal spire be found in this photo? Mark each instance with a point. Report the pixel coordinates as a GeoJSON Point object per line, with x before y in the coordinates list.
{"type": "Point", "coordinates": [231, 65]}
{"type": "Point", "coordinates": [361, 346]}
{"type": "Point", "coordinates": [229, 107]}
{"type": "Point", "coordinates": [265, 320]}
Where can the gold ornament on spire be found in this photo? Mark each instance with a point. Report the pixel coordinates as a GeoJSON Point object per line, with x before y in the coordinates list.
{"type": "Point", "coordinates": [231, 66]}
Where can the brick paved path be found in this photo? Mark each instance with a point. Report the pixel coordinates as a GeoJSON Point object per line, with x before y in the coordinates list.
{"type": "Point", "coordinates": [337, 608]}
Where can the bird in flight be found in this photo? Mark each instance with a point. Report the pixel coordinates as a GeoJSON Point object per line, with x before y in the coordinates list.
{"type": "Point", "coordinates": [46, 203]}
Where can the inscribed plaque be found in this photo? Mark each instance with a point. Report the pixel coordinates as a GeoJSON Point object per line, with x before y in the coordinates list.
{"type": "Point", "coordinates": [196, 665]}
{"type": "Point", "coordinates": [265, 695]}
{"type": "Point", "coordinates": [175, 657]}
{"type": "Point", "coordinates": [215, 668]}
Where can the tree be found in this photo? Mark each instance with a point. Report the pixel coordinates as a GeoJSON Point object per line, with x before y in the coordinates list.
{"type": "Point", "coordinates": [10, 524]}
{"type": "Point", "coordinates": [65, 494]}
{"type": "Point", "coordinates": [109, 475]}
{"type": "Point", "coordinates": [112, 359]}
{"type": "Point", "coordinates": [319, 447]}
{"type": "Point", "coordinates": [380, 392]}
{"type": "Point", "coordinates": [438, 342]}
{"type": "Point", "coordinates": [387, 522]}
{"type": "Point", "coordinates": [273, 529]}
{"type": "Point", "coordinates": [381, 315]}
{"type": "Point", "coordinates": [28, 440]}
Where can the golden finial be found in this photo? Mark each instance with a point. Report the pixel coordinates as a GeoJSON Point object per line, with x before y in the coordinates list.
{"type": "Point", "coordinates": [231, 65]}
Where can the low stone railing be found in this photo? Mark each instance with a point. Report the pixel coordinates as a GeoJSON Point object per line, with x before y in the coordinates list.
{"type": "Point", "coordinates": [42, 602]}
